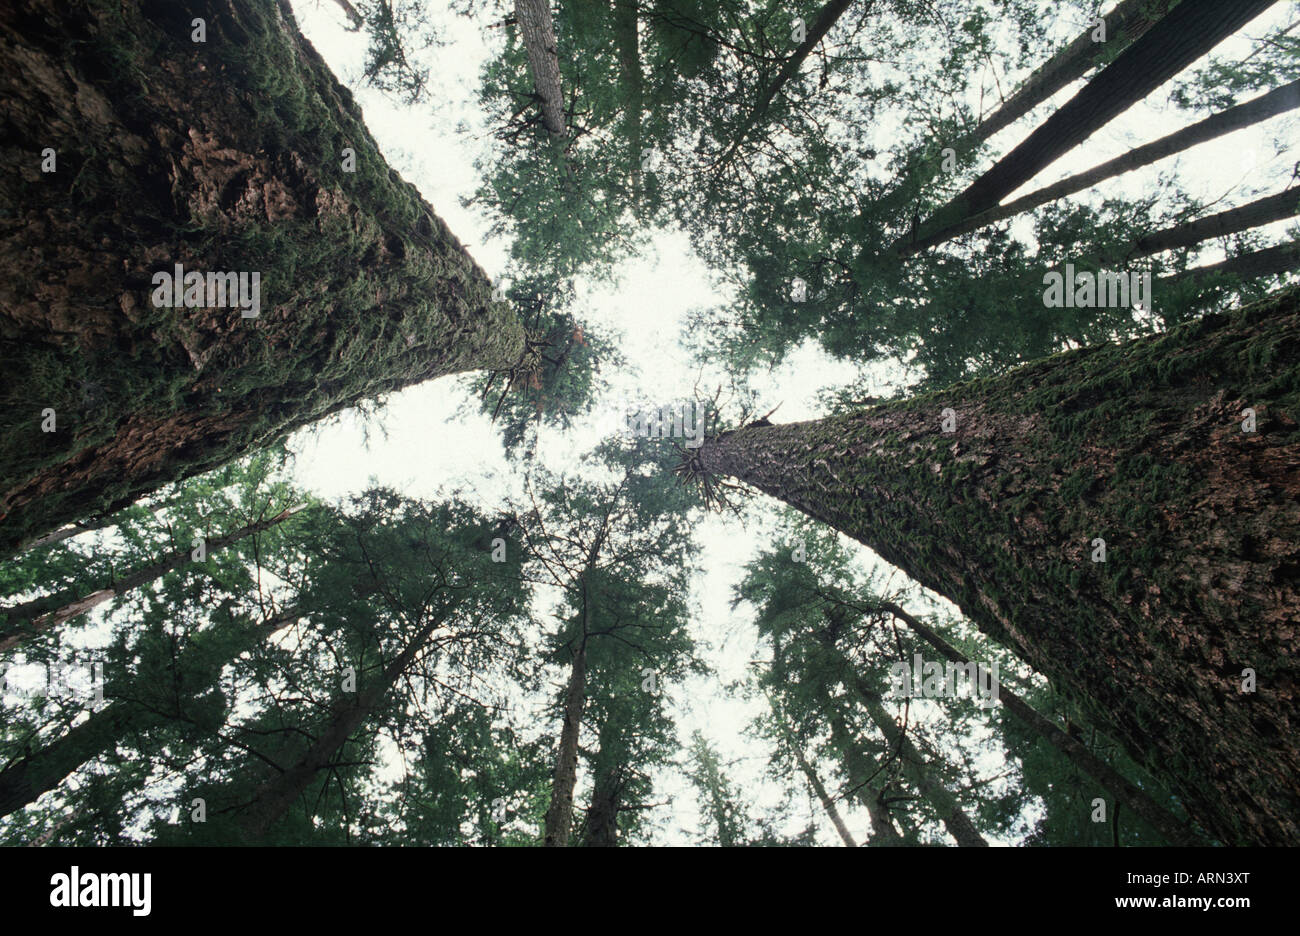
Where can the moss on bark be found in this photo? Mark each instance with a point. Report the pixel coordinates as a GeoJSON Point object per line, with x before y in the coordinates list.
{"type": "Point", "coordinates": [1141, 445]}
{"type": "Point", "coordinates": [224, 155]}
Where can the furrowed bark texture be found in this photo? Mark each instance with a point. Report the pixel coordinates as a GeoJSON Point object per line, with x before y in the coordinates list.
{"type": "Point", "coordinates": [224, 155]}
{"type": "Point", "coordinates": [1141, 445]}
{"type": "Point", "coordinates": [538, 32]}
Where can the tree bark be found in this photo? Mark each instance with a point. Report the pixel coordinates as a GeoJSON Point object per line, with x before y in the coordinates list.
{"type": "Point", "coordinates": [533, 18]}
{"type": "Point", "coordinates": [42, 614]}
{"type": "Point", "coordinates": [559, 815]}
{"type": "Point", "coordinates": [1127, 22]}
{"type": "Point", "coordinates": [1282, 258]}
{"type": "Point", "coordinates": [222, 156]}
{"type": "Point", "coordinates": [1166, 823]}
{"type": "Point", "coordinates": [1278, 101]}
{"type": "Point", "coordinates": [1140, 445]}
{"type": "Point", "coordinates": [26, 780]}
{"type": "Point", "coordinates": [1185, 34]}
{"type": "Point", "coordinates": [1256, 214]}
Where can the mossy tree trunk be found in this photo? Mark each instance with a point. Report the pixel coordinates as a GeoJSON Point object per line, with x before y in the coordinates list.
{"type": "Point", "coordinates": [233, 154]}
{"type": "Point", "coordinates": [1144, 446]}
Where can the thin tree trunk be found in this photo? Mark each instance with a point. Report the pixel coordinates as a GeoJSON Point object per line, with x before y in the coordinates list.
{"type": "Point", "coordinates": [919, 774]}
{"type": "Point", "coordinates": [533, 18]}
{"type": "Point", "coordinates": [559, 815]}
{"type": "Point", "coordinates": [26, 780]}
{"type": "Point", "coordinates": [859, 767]}
{"type": "Point", "coordinates": [1278, 101]}
{"type": "Point", "coordinates": [42, 614]}
{"type": "Point", "coordinates": [629, 68]}
{"type": "Point", "coordinates": [1256, 214]}
{"type": "Point", "coordinates": [277, 795]}
{"type": "Point", "coordinates": [1127, 22]}
{"type": "Point", "coordinates": [188, 157]}
{"type": "Point", "coordinates": [1283, 258]}
{"type": "Point", "coordinates": [351, 13]}
{"type": "Point", "coordinates": [1189, 31]}
{"type": "Point", "coordinates": [826, 18]}
{"type": "Point", "coordinates": [65, 533]}
{"type": "Point", "coordinates": [1138, 449]}
{"type": "Point", "coordinates": [1166, 823]}
{"type": "Point", "coordinates": [828, 804]}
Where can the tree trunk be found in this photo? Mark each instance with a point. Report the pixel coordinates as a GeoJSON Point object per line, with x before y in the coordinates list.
{"type": "Point", "coordinates": [601, 827]}
{"type": "Point", "coordinates": [277, 795]}
{"type": "Point", "coordinates": [828, 804]}
{"type": "Point", "coordinates": [860, 769]}
{"type": "Point", "coordinates": [629, 69]}
{"type": "Point", "coordinates": [26, 780]}
{"type": "Point", "coordinates": [916, 770]}
{"type": "Point", "coordinates": [533, 18]}
{"type": "Point", "coordinates": [1127, 22]}
{"type": "Point", "coordinates": [1278, 101]}
{"type": "Point", "coordinates": [42, 614]}
{"type": "Point", "coordinates": [351, 13]}
{"type": "Point", "coordinates": [1270, 261]}
{"type": "Point", "coordinates": [65, 533]}
{"type": "Point", "coordinates": [1256, 214]}
{"type": "Point", "coordinates": [1166, 823]}
{"type": "Point", "coordinates": [826, 18]}
{"type": "Point", "coordinates": [559, 815]}
{"type": "Point", "coordinates": [1189, 31]}
{"type": "Point", "coordinates": [1140, 445]}
{"type": "Point", "coordinates": [224, 156]}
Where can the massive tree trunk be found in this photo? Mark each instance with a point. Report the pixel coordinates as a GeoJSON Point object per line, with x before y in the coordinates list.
{"type": "Point", "coordinates": [223, 156]}
{"type": "Point", "coordinates": [1278, 101]}
{"type": "Point", "coordinates": [25, 780]}
{"type": "Point", "coordinates": [1129, 20]}
{"type": "Point", "coordinates": [1140, 445]}
{"type": "Point", "coordinates": [42, 614]}
{"type": "Point", "coordinates": [1125, 791]}
{"type": "Point", "coordinates": [538, 32]}
{"type": "Point", "coordinates": [1189, 31]}
{"type": "Point", "coordinates": [559, 815]}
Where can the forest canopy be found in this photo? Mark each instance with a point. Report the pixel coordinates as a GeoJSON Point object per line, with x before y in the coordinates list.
{"type": "Point", "coordinates": [650, 422]}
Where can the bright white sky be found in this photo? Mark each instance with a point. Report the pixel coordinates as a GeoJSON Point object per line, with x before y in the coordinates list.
{"type": "Point", "coordinates": [426, 445]}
